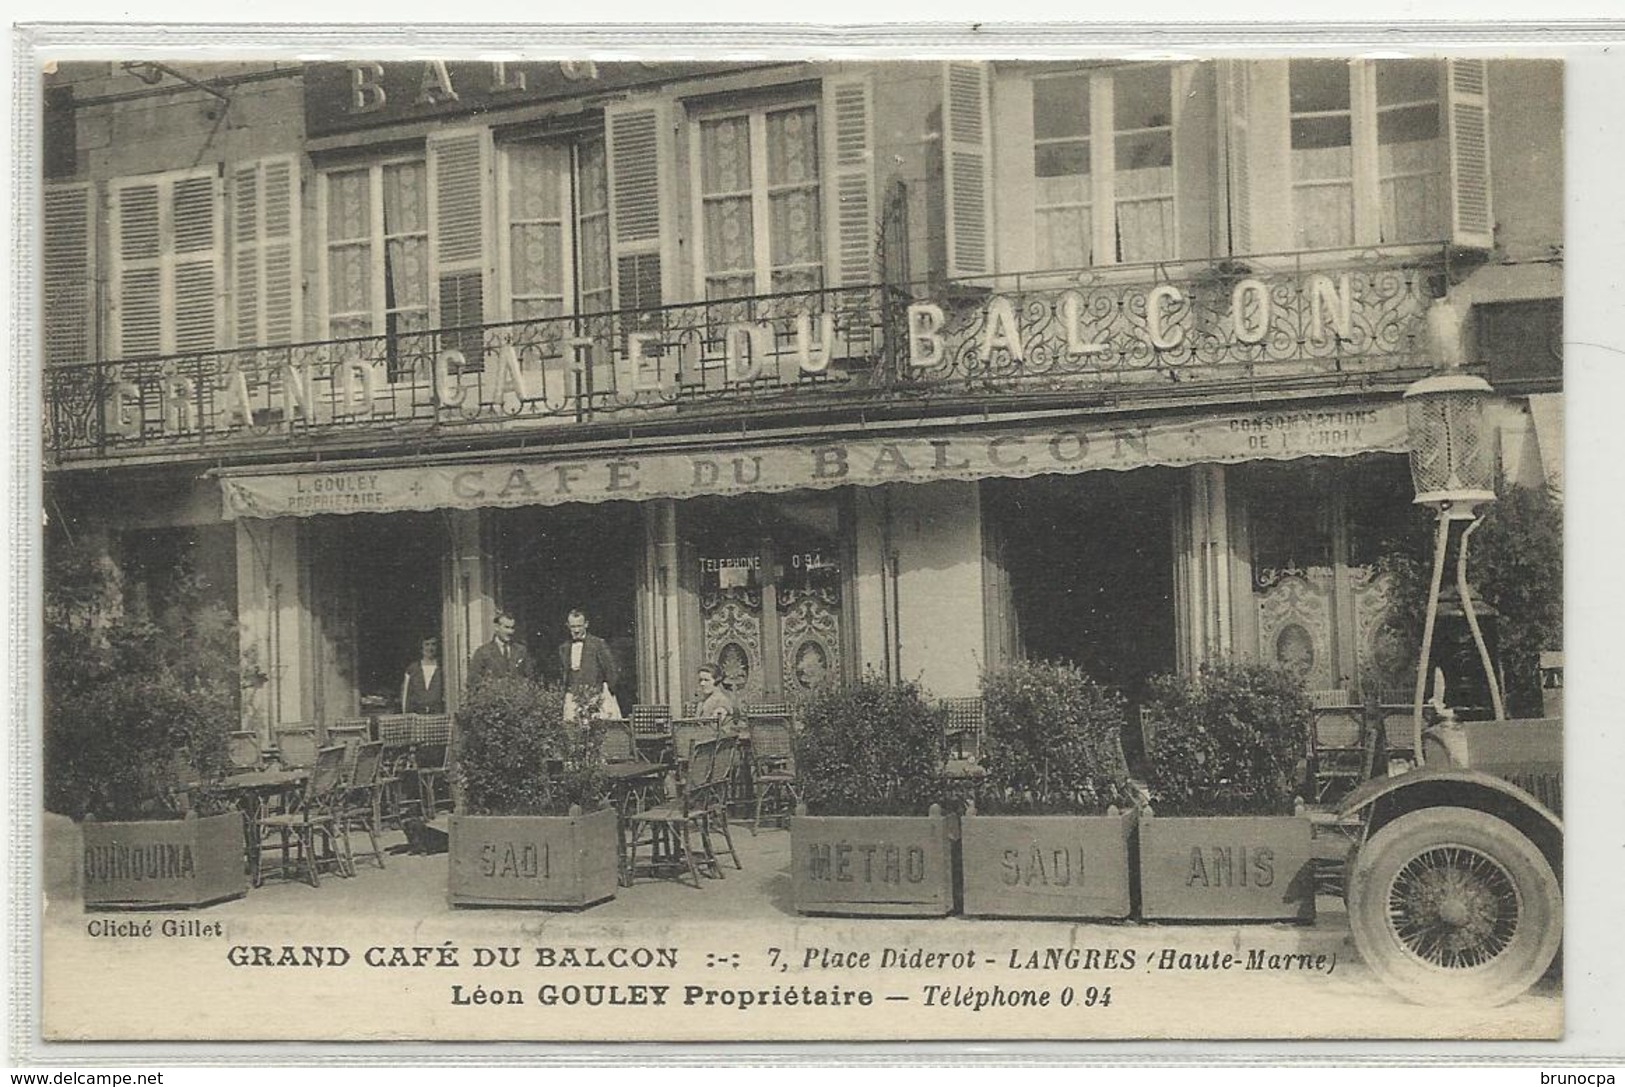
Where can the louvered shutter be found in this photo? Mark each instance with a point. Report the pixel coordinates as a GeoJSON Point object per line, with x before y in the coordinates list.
{"type": "Point", "coordinates": [459, 172]}
{"type": "Point", "coordinates": [70, 270]}
{"type": "Point", "coordinates": [197, 265]}
{"type": "Point", "coordinates": [1472, 223]}
{"type": "Point", "coordinates": [265, 251]}
{"type": "Point", "coordinates": [639, 146]}
{"type": "Point", "coordinates": [967, 193]}
{"type": "Point", "coordinates": [848, 108]}
{"type": "Point", "coordinates": [137, 276]}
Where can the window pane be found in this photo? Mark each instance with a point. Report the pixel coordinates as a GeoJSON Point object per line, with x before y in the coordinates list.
{"type": "Point", "coordinates": [1311, 132]}
{"type": "Point", "coordinates": [792, 146]}
{"type": "Point", "coordinates": [1063, 238]}
{"type": "Point", "coordinates": [1068, 159]}
{"type": "Point", "coordinates": [1408, 125]}
{"type": "Point", "coordinates": [1145, 230]}
{"type": "Point", "coordinates": [796, 231]}
{"type": "Point", "coordinates": [725, 155]}
{"type": "Point", "coordinates": [349, 281]}
{"type": "Point", "coordinates": [533, 185]}
{"type": "Point", "coordinates": [348, 205]}
{"type": "Point", "coordinates": [594, 195]}
{"type": "Point", "coordinates": [405, 199]}
{"type": "Point", "coordinates": [1325, 215]}
{"type": "Point", "coordinates": [1144, 150]}
{"type": "Point", "coordinates": [1140, 98]}
{"type": "Point", "coordinates": [729, 235]}
{"type": "Point", "coordinates": [1319, 85]}
{"type": "Point", "coordinates": [1061, 107]}
{"type": "Point", "coordinates": [538, 259]}
{"type": "Point", "coordinates": [406, 270]}
{"type": "Point", "coordinates": [1407, 81]}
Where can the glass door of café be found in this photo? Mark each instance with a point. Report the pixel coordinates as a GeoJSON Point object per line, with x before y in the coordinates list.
{"type": "Point", "coordinates": [769, 580]}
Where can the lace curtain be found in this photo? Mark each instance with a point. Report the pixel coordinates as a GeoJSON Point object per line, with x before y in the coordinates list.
{"type": "Point", "coordinates": [734, 186]}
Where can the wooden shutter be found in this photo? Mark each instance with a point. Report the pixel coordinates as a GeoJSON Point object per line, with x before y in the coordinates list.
{"type": "Point", "coordinates": [265, 251]}
{"type": "Point", "coordinates": [137, 268]}
{"type": "Point", "coordinates": [70, 274]}
{"type": "Point", "coordinates": [198, 282]}
{"type": "Point", "coordinates": [1472, 223]}
{"type": "Point", "coordinates": [849, 143]}
{"type": "Point", "coordinates": [967, 193]}
{"type": "Point", "coordinates": [459, 168]}
{"type": "Point", "coordinates": [639, 146]}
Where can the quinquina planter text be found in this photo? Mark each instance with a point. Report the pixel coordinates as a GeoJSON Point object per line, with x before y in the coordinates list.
{"type": "Point", "coordinates": [1066, 866]}
{"type": "Point", "coordinates": [533, 861]}
{"type": "Point", "coordinates": [874, 865]}
{"type": "Point", "coordinates": [1236, 867]}
{"type": "Point", "coordinates": [169, 862]}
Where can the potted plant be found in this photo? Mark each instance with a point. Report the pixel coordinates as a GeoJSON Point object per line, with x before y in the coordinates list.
{"type": "Point", "coordinates": [876, 840]}
{"type": "Point", "coordinates": [1222, 838]}
{"type": "Point", "coordinates": [530, 830]}
{"type": "Point", "coordinates": [1055, 815]}
{"type": "Point", "coordinates": [140, 699]}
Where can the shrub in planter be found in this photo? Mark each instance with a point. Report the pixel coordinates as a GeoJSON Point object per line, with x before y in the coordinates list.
{"type": "Point", "coordinates": [531, 830]}
{"type": "Point", "coordinates": [876, 842]}
{"type": "Point", "coordinates": [1223, 752]}
{"type": "Point", "coordinates": [1059, 822]}
{"type": "Point", "coordinates": [139, 704]}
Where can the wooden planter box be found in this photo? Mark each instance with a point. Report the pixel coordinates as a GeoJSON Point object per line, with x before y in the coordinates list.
{"type": "Point", "coordinates": [1067, 866]}
{"type": "Point", "coordinates": [875, 865]}
{"type": "Point", "coordinates": [172, 862]}
{"type": "Point", "coordinates": [534, 861]}
{"type": "Point", "coordinates": [1241, 868]}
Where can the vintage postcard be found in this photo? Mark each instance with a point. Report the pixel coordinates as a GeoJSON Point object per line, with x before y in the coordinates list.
{"type": "Point", "coordinates": [933, 550]}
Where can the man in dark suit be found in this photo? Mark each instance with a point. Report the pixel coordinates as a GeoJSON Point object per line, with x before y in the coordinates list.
{"type": "Point", "coordinates": [501, 656]}
{"type": "Point", "coordinates": [585, 661]}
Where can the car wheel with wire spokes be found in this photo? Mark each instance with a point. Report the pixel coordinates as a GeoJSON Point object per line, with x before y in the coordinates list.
{"type": "Point", "coordinates": [1452, 905]}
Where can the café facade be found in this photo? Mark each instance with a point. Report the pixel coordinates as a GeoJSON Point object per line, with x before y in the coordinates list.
{"type": "Point", "coordinates": [805, 370]}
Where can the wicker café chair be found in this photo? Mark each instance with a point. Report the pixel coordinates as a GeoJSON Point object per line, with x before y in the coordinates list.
{"type": "Point", "coordinates": [362, 803]}
{"type": "Point", "coordinates": [688, 731]}
{"type": "Point", "coordinates": [310, 820]}
{"type": "Point", "coordinates": [774, 784]}
{"type": "Point", "coordinates": [634, 783]}
{"type": "Point", "coordinates": [700, 809]}
{"type": "Point", "coordinates": [352, 732]}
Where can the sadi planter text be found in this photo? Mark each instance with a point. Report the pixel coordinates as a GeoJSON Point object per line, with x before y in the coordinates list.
{"type": "Point", "coordinates": [1068, 866]}
{"type": "Point", "coordinates": [171, 862]}
{"type": "Point", "coordinates": [534, 860]}
{"type": "Point", "coordinates": [888, 865]}
{"type": "Point", "coordinates": [1236, 867]}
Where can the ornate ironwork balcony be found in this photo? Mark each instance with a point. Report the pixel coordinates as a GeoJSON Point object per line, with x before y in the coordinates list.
{"type": "Point", "coordinates": [741, 354]}
{"type": "Point", "coordinates": [1125, 332]}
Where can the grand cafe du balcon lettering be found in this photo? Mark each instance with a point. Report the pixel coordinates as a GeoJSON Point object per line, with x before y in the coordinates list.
{"type": "Point", "coordinates": [1120, 334]}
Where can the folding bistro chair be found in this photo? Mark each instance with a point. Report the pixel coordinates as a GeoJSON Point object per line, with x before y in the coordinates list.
{"type": "Point", "coordinates": [700, 808]}
{"type": "Point", "coordinates": [431, 736]}
{"type": "Point", "coordinates": [651, 729]}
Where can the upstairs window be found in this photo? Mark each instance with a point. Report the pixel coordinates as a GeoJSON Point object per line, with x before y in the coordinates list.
{"type": "Point", "coordinates": [556, 244]}
{"type": "Point", "coordinates": [759, 187]}
{"type": "Point", "coordinates": [1103, 167]}
{"type": "Point", "coordinates": [377, 250]}
{"type": "Point", "coordinates": [1336, 153]}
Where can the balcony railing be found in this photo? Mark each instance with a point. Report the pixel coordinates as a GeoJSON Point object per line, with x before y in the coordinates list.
{"type": "Point", "coordinates": [1127, 331]}
{"type": "Point", "coordinates": [740, 353]}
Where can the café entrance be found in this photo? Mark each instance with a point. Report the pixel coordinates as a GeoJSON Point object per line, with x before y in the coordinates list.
{"type": "Point", "coordinates": [769, 580]}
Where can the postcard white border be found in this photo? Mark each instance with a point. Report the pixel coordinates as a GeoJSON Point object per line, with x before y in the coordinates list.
{"type": "Point", "coordinates": [1595, 381]}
